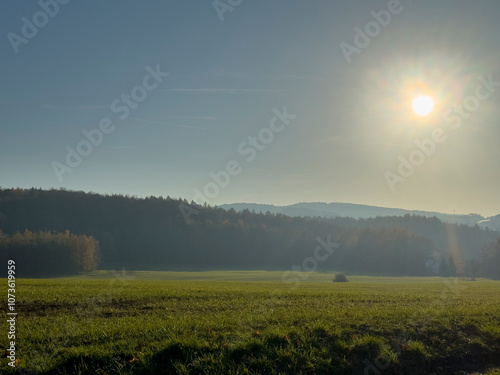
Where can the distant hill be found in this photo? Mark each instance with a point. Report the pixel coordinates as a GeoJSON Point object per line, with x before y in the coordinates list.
{"type": "Point", "coordinates": [361, 211]}
{"type": "Point", "coordinates": [492, 222]}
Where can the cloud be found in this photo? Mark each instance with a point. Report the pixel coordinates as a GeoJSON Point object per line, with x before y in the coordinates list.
{"type": "Point", "coordinates": [88, 107]}
{"type": "Point", "coordinates": [166, 123]}
{"type": "Point", "coordinates": [274, 77]}
{"type": "Point", "coordinates": [194, 117]}
{"type": "Point", "coordinates": [124, 148]}
{"type": "Point", "coordinates": [222, 91]}
{"type": "Point", "coordinates": [334, 139]}
{"type": "Point", "coordinates": [55, 107]}
{"type": "Point", "coordinates": [297, 77]}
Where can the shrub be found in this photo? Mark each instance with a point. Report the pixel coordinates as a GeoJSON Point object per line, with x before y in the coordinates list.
{"type": "Point", "coordinates": [340, 278]}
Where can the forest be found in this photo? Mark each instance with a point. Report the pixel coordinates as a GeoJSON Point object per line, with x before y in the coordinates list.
{"type": "Point", "coordinates": [67, 232]}
{"type": "Point", "coordinates": [44, 254]}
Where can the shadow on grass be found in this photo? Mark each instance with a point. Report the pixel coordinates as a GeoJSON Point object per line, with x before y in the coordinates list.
{"type": "Point", "coordinates": [315, 351]}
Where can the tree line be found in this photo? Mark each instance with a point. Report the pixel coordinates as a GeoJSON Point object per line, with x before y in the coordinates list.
{"type": "Point", "coordinates": [45, 253]}
{"type": "Point", "coordinates": [490, 260]}
{"type": "Point", "coordinates": [151, 234]}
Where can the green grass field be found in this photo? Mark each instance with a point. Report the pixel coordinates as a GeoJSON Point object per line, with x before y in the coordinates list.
{"type": "Point", "coordinates": [237, 322]}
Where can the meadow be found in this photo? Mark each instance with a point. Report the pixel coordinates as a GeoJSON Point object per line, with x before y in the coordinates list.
{"type": "Point", "coordinates": [237, 322]}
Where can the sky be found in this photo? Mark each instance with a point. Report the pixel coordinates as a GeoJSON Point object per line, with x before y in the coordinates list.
{"type": "Point", "coordinates": [274, 102]}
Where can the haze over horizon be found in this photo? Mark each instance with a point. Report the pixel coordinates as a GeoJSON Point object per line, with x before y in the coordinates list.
{"type": "Point", "coordinates": [328, 125]}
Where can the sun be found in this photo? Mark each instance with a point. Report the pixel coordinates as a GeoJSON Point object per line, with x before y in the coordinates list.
{"type": "Point", "coordinates": [423, 105]}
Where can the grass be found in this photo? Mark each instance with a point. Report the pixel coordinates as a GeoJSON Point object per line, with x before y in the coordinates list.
{"type": "Point", "coordinates": [250, 322]}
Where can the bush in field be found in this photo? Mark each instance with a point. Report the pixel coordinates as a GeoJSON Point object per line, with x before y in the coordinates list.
{"type": "Point", "coordinates": [49, 254]}
{"type": "Point", "coordinates": [340, 278]}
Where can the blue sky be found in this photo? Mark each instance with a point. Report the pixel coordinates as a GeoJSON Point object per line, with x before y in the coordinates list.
{"type": "Point", "coordinates": [225, 77]}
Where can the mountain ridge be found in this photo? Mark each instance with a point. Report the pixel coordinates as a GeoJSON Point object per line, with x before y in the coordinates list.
{"type": "Point", "coordinates": [362, 211]}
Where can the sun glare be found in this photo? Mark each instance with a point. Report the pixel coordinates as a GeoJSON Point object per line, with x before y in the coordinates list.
{"type": "Point", "coordinates": [423, 105]}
